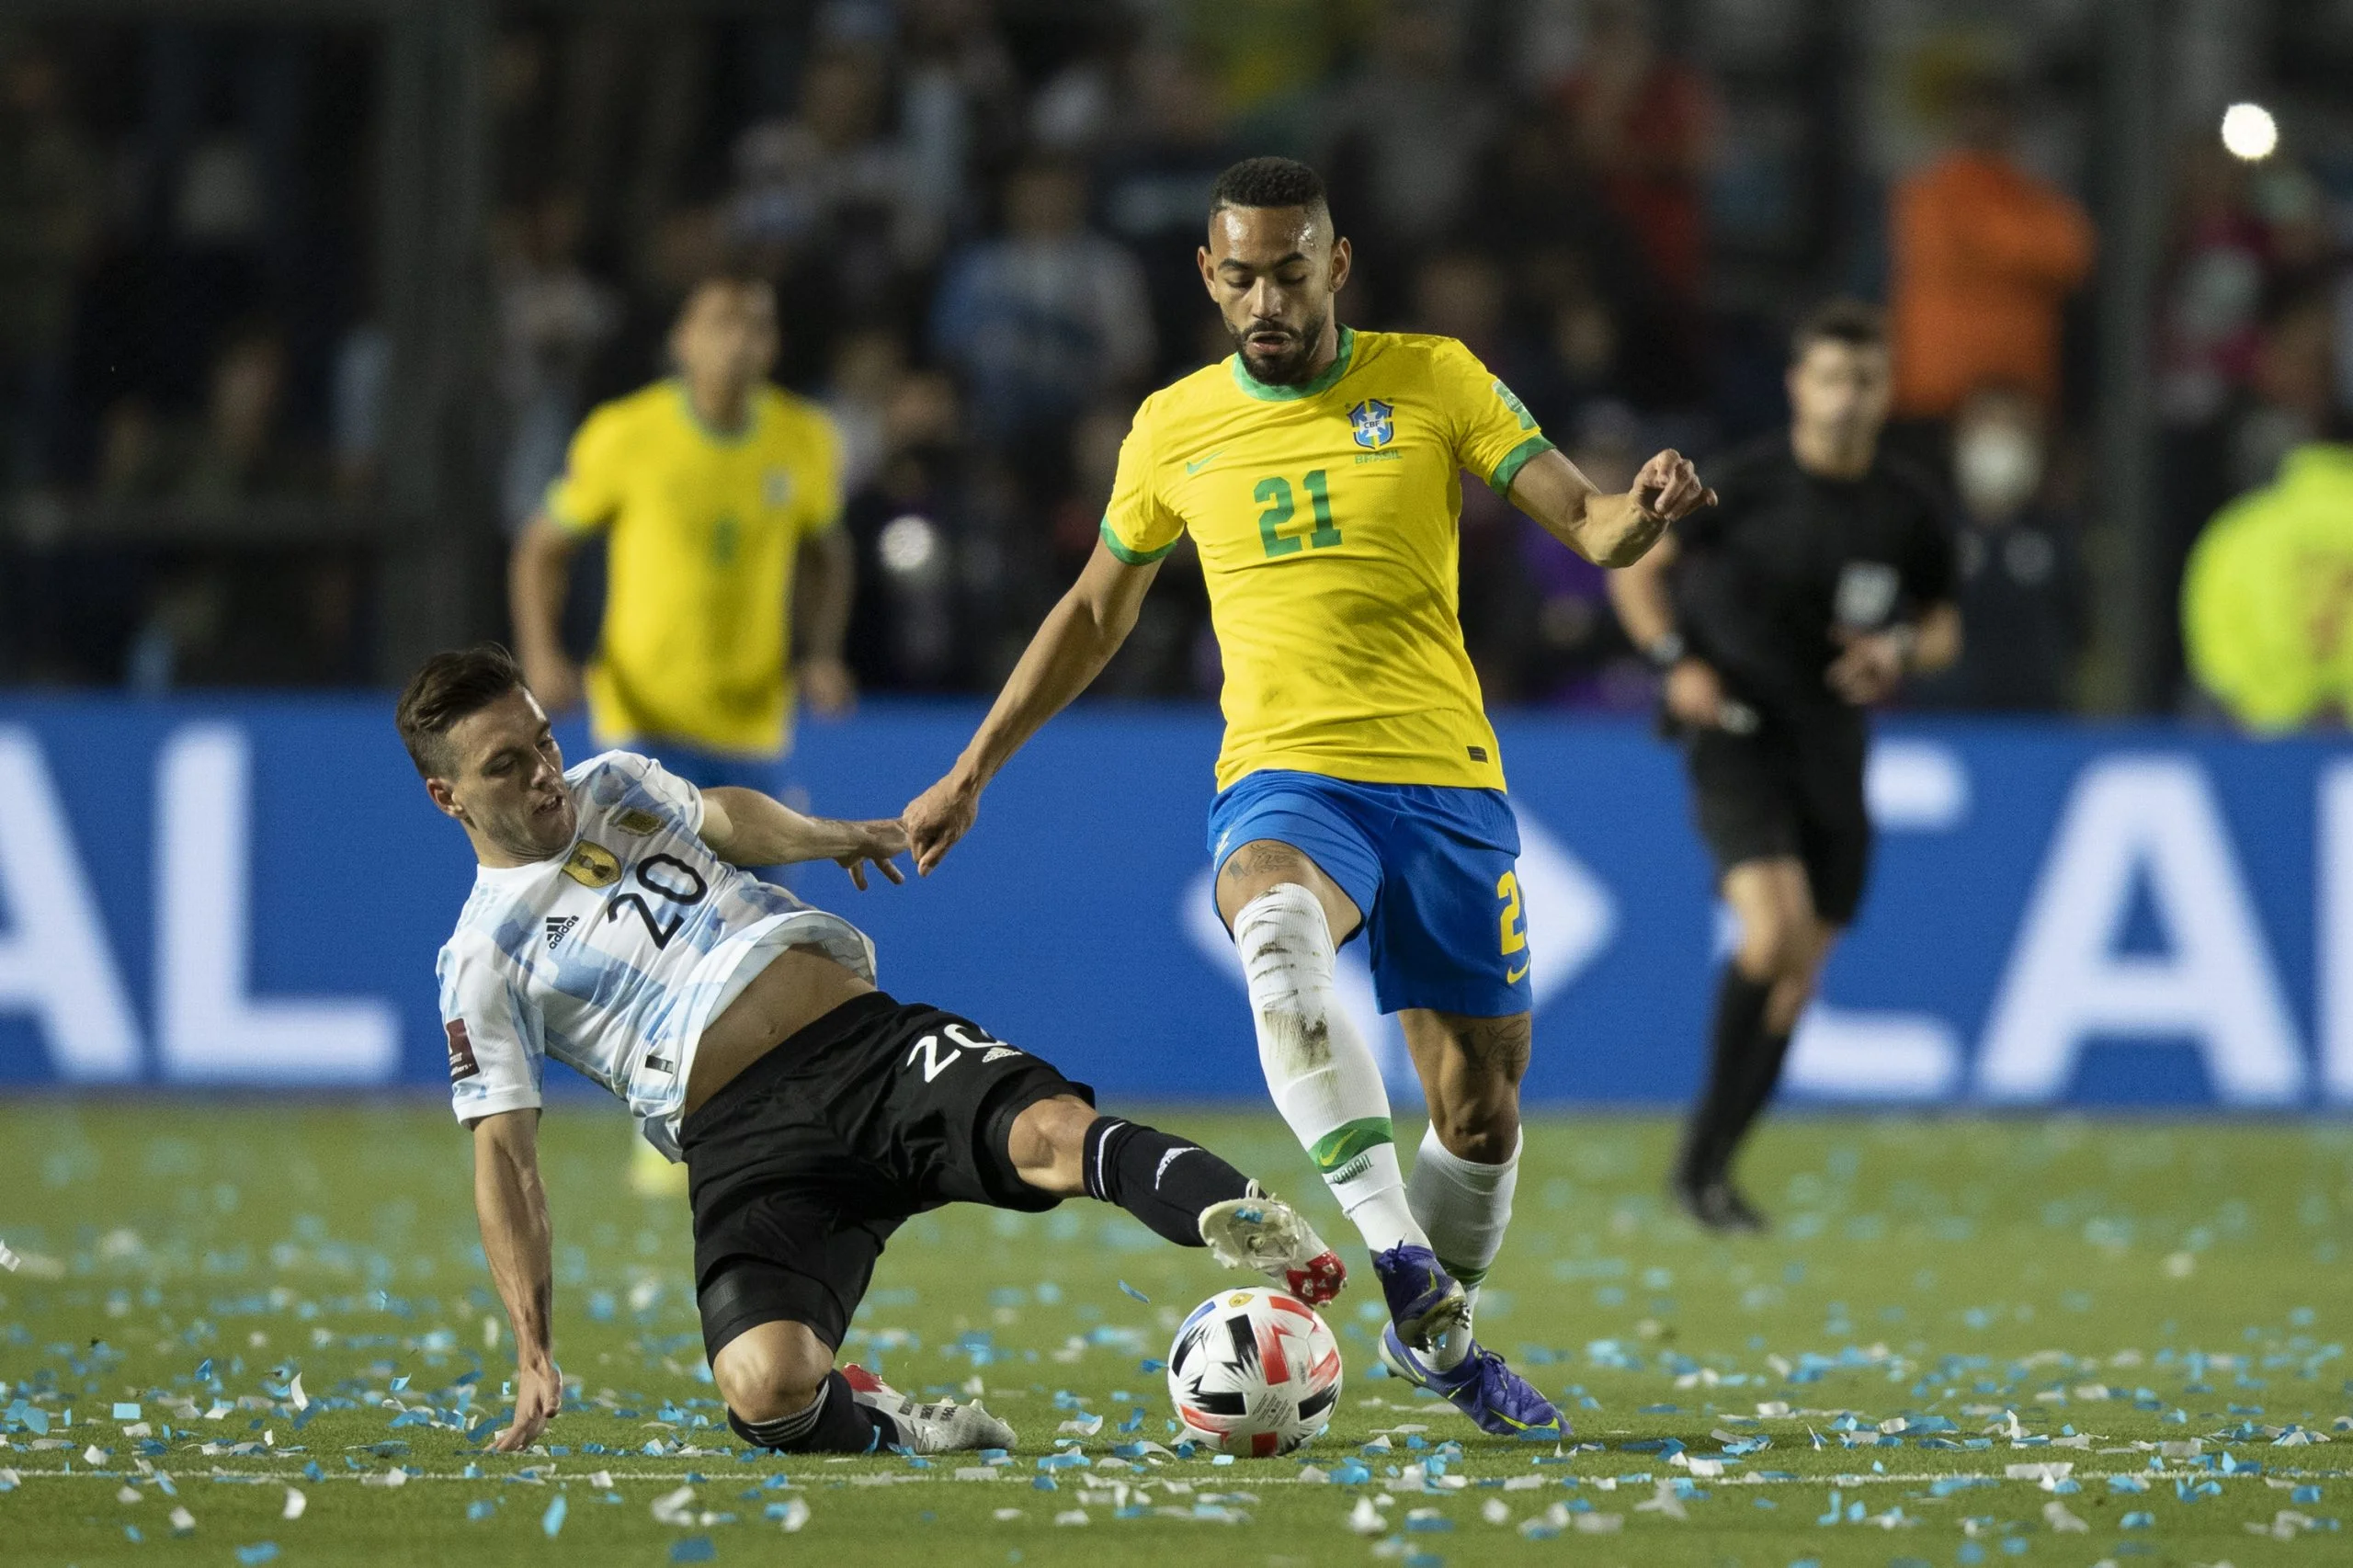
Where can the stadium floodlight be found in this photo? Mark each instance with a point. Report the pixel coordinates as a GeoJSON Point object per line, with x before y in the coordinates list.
{"type": "Point", "coordinates": [2249, 132]}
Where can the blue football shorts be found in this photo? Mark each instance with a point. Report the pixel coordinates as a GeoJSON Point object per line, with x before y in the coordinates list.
{"type": "Point", "coordinates": [1431, 868]}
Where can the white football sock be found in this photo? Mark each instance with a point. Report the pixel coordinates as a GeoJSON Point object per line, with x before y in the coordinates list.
{"type": "Point", "coordinates": [1321, 1073]}
{"type": "Point", "coordinates": [1464, 1206]}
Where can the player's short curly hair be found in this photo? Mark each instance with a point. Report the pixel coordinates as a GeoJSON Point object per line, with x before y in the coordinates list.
{"type": "Point", "coordinates": [1269, 182]}
{"type": "Point", "coordinates": [447, 687]}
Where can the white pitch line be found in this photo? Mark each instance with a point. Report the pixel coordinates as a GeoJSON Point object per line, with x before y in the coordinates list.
{"type": "Point", "coordinates": [1147, 1478]}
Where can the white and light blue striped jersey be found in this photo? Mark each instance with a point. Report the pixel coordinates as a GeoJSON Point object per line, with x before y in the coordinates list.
{"type": "Point", "coordinates": [614, 956]}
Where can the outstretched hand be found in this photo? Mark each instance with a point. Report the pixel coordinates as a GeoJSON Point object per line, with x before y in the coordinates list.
{"type": "Point", "coordinates": [1668, 487]}
{"type": "Point", "coordinates": [936, 819]}
{"type": "Point", "coordinates": [539, 1395]}
{"type": "Point", "coordinates": [878, 841]}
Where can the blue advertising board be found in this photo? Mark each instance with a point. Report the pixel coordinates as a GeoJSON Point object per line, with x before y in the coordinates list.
{"type": "Point", "coordinates": [251, 893]}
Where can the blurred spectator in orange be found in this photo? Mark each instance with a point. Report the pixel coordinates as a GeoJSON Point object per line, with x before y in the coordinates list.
{"type": "Point", "coordinates": [1645, 125]}
{"type": "Point", "coordinates": [1984, 255]}
{"type": "Point", "coordinates": [1044, 320]}
{"type": "Point", "coordinates": [2022, 593]}
{"type": "Point", "coordinates": [49, 189]}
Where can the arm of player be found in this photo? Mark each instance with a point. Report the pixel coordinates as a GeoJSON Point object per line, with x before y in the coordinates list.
{"type": "Point", "coordinates": [537, 575]}
{"type": "Point", "coordinates": [824, 584]}
{"type": "Point", "coordinates": [1693, 693]}
{"type": "Point", "coordinates": [512, 1207]}
{"type": "Point", "coordinates": [1078, 638]}
{"type": "Point", "coordinates": [1873, 663]}
{"type": "Point", "coordinates": [744, 827]}
{"type": "Point", "coordinates": [1608, 530]}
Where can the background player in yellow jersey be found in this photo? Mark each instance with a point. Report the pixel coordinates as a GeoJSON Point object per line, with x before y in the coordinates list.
{"type": "Point", "coordinates": [1318, 472]}
{"type": "Point", "coordinates": [719, 496]}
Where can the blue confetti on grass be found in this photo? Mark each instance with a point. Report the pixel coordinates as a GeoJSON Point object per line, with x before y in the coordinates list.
{"type": "Point", "coordinates": [259, 1553]}
{"type": "Point", "coordinates": [552, 1521]}
{"type": "Point", "coordinates": [1129, 1290]}
{"type": "Point", "coordinates": [694, 1549]}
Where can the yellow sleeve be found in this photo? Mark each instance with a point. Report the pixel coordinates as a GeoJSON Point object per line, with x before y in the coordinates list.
{"type": "Point", "coordinates": [2230, 613]}
{"type": "Point", "coordinates": [823, 482]}
{"type": "Point", "coordinates": [1492, 432]}
{"type": "Point", "coordinates": [587, 495]}
{"type": "Point", "coordinates": [1137, 526]}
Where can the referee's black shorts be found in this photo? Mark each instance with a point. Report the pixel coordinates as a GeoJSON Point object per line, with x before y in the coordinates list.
{"type": "Point", "coordinates": [801, 1168]}
{"type": "Point", "coordinates": [1783, 792]}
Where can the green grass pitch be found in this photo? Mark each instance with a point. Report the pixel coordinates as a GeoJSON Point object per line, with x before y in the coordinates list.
{"type": "Point", "coordinates": [1968, 1341]}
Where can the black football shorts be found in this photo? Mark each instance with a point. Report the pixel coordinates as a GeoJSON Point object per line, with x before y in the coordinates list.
{"type": "Point", "coordinates": [799, 1169]}
{"type": "Point", "coordinates": [1783, 792]}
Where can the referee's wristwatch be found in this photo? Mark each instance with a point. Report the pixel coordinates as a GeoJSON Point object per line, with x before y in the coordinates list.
{"type": "Point", "coordinates": [1664, 650]}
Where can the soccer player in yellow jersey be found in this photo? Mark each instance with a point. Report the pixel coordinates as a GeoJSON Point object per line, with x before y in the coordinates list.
{"type": "Point", "coordinates": [1318, 472]}
{"type": "Point", "coordinates": [719, 495]}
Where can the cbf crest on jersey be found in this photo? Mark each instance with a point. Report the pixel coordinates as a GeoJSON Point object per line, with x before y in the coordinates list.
{"type": "Point", "coordinates": [775, 487]}
{"type": "Point", "coordinates": [1374, 422]}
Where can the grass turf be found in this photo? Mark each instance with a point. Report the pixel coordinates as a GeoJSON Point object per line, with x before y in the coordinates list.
{"type": "Point", "coordinates": [1944, 1300]}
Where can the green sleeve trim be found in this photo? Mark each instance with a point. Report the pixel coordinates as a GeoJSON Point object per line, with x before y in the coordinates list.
{"type": "Point", "coordinates": [1513, 461]}
{"type": "Point", "coordinates": [1132, 557]}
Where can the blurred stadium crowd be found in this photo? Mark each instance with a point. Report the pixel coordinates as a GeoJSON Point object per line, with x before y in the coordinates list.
{"type": "Point", "coordinates": [981, 217]}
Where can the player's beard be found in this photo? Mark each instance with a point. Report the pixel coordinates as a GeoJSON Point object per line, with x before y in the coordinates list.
{"type": "Point", "coordinates": [1290, 368]}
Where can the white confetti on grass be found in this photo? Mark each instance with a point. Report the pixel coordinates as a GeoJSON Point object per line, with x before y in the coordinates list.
{"type": "Point", "coordinates": [9, 1260]}
{"type": "Point", "coordinates": [294, 1392]}
{"type": "Point", "coordinates": [796, 1514]}
{"type": "Point", "coordinates": [295, 1504]}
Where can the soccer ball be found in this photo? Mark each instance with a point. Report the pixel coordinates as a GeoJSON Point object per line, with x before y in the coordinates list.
{"type": "Point", "coordinates": [1254, 1372]}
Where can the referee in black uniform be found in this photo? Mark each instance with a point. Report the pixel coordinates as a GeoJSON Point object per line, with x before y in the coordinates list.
{"type": "Point", "coordinates": [1821, 580]}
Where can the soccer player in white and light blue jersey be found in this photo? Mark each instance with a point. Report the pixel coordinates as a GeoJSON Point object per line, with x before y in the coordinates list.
{"type": "Point", "coordinates": [611, 927]}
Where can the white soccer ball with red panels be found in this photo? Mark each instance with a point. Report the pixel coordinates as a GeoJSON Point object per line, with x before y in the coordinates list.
{"type": "Point", "coordinates": [1254, 1372]}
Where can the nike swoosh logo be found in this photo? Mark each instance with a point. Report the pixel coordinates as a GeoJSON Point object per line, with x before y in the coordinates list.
{"type": "Point", "coordinates": [1196, 467]}
{"type": "Point", "coordinates": [1511, 976]}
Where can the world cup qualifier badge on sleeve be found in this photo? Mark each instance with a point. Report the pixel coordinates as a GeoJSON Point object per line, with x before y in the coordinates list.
{"type": "Point", "coordinates": [462, 1065]}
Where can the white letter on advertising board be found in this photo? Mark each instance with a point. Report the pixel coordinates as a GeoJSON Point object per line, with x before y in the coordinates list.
{"type": "Point", "coordinates": [2333, 958]}
{"type": "Point", "coordinates": [2130, 821]}
{"type": "Point", "coordinates": [54, 962]}
{"type": "Point", "coordinates": [207, 1026]}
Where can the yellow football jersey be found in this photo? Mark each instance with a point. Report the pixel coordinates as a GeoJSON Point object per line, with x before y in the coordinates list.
{"type": "Point", "coordinates": [705, 529]}
{"type": "Point", "coordinates": [1327, 518]}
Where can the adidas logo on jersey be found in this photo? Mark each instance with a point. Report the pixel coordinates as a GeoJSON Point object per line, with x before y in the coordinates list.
{"type": "Point", "coordinates": [557, 926]}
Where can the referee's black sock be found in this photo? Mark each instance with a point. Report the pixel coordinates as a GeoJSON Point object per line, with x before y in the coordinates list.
{"type": "Point", "coordinates": [834, 1423]}
{"type": "Point", "coordinates": [1163, 1181]}
{"type": "Point", "coordinates": [1724, 1109]}
{"type": "Point", "coordinates": [1756, 1090]}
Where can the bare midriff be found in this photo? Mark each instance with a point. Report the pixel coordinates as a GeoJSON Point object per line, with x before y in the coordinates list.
{"type": "Point", "coordinates": [799, 986]}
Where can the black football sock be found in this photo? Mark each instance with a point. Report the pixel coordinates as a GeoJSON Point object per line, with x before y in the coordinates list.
{"type": "Point", "coordinates": [1163, 1181]}
{"type": "Point", "coordinates": [1735, 1034]}
{"type": "Point", "coordinates": [834, 1423]}
{"type": "Point", "coordinates": [1756, 1092]}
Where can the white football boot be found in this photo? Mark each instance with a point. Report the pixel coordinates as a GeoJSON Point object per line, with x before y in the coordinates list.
{"type": "Point", "coordinates": [1264, 1233]}
{"type": "Point", "coordinates": [946, 1428]}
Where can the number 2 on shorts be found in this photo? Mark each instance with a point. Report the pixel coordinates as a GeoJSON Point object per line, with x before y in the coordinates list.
{"type": "Point", "coordinates": [1514, 937]}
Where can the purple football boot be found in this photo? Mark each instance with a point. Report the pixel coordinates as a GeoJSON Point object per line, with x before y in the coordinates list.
{"type": "Point", "coordinates": [1423, 1299]}
{"type": "Point", "coordinates": [1482, 1387]}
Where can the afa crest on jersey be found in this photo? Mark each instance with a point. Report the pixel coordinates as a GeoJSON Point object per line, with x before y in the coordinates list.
{"type": "Point", "coordinates": [1374, 422]}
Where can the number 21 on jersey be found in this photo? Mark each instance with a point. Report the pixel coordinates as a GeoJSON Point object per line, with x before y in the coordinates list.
{"type": "Point", "coordinates": [1275, 492]}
